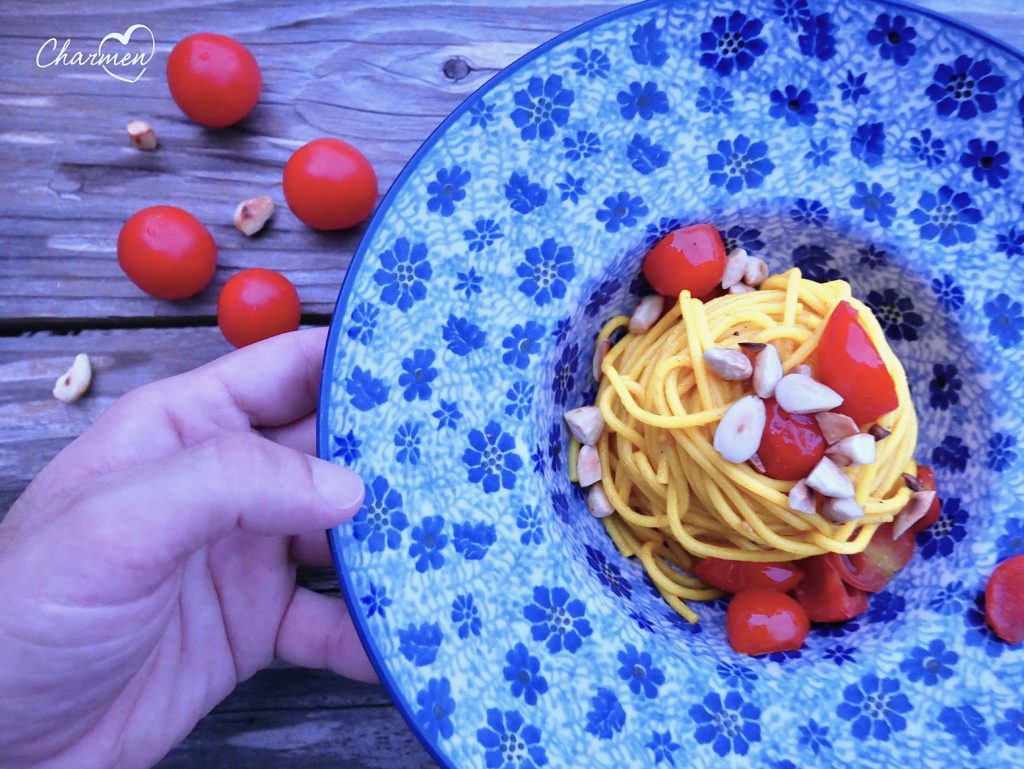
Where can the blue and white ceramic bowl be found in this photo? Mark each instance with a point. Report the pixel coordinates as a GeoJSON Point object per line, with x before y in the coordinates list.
{"type": "Point", "coordinates": [868, 140]}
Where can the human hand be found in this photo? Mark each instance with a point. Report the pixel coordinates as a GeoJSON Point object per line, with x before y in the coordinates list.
{"type": "Point", "coordinates": [150, 566]}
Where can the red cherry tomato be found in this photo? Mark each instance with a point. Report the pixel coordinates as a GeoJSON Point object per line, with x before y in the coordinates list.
{"type": "Point", "coordinates": [213, 79]}
{"type": "Point", "coordinates": [1004, 600]}
{"type": "Point", "coordinates": [871, 569]}
{"type": "Point", "coordinates": [825, 596]}
{"type": "Point", "coordinates": [256, 305]}
{"type": "Point", "coordinates": [791, 445]}
{"type": "Point", "coordinates": [688, 259]}
{"type": "Point", "coordinates": [765, 621]}
{"type": "Point", "coordinates": [330, 185]}
{"type": "Point", "coordinates": [927, 478]}
{"type": "Point", "coordinates": [166, 252]}
{"type": "Point", "coordinates": [737, 576]}
{"type": "Point", "coordinates": [849, 363]}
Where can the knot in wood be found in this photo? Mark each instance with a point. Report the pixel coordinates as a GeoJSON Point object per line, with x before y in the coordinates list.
{"type": "Point", "coordinates": [456, 68]}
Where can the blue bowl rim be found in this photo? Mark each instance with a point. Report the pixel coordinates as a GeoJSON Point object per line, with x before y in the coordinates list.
{"type": "Point", "coordinates": [404, 706]}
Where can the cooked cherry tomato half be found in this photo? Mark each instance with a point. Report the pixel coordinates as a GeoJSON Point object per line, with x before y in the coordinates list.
{"type": "Point", "coordinates": [213, 79]}
{"type": "Point", "coordinates": [824, 595]}
{"type": "Point", "coordinates": [166, 252]}
{"type": "Point", "coordinates": [791, 445]}
{"type": "Point", "coordinates": [927, 478]}
{"type": "Point", "coordinates": [688, 259]}
{"type": "Point", "coordinates": [1004, 600]}
{"type": "Point", "coordinates": [849, 363]}
{"type": "Point", "coordinates": [765, 621]}
{"type": "Point", "coordinates": [330, 185]}
{"type": "Point", "coordinates": [871, 569]}
{"type": "Point", "coordinates": [255, 305]}
{"type": "Point", "coordinates": [737, 576]}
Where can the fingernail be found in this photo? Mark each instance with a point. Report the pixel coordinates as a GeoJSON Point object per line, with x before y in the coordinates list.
{"type": "Point", "coordinates": [341, 487]}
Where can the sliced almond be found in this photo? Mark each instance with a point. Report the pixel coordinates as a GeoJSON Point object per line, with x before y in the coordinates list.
{"type": "Point", "coordinates": [859, 449]}
{"type": "Point", "coordinates": [799, 394]}
{"type": "Point", "coordinates": [586, 423]}
{"type": "Point", "coordinates": [599, 353]}
{"type": "Point", "coordinates": [756, 463]}
{"type": "Point", "coordinates": [598, 503]}
{"type": "Point", "coordinates": [252, 215]}
{"type": "Point", "coordinates": [142, 135]}
{"type": "Point", "coordinates": [801, 498]}
{"type": "Point", "coordinates": [826, 478]}
{"type": "Point", "coordinates": [646, 313]}
{"type": "Point", "coordinates": [835, 427]}
{"type": "Point", "coordinates": [756, 271]}
{"type": "Point", "coordinates": [735, 268]}
{"type": "Point", "coordinates": [914, 511]}
{"type": "Point", "coordinates": [588, 466]}
{"type": "Point", "coordinates": [72, 384]}
{"type": "Point", "coordinates": [912, 481]}
{"type": "Point", "coordinates": [804, 369]}
{"type": "Point", "coordinates": [767, 371]}
{"type": "Point", "coordinates": [879, 433]}
{"type": "Point", "coordinates": [741, 288]}
{"type": "Point", "coordinates": [842, 510]}
{"type": "Point", "coordinates": [739, 433]}
{"type": "Point", "coordinates": [730, 365]}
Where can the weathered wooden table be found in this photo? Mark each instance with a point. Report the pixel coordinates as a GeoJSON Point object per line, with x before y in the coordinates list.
{"type": "Point", "coordinates": [379, 74]}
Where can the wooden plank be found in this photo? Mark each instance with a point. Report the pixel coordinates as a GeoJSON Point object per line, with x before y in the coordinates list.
{"type": "Point", "coordinates": [282, 687]}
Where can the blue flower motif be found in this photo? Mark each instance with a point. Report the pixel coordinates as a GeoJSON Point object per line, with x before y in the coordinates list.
{"type": "Point", "coordinates": [468, 282]}
{"type": "Point", "coordinates": [964, 88]}
{"type": "Point", "coordinates": [894, 38]}
{"type": "Point", "coordinates": [565, 373]}
{"type": "Point", "coordinates": [641, 621]}
{"type": "Point", "coordinates": [509, 742]}
{"type": "Point", "coordinates": [466, 616]}
{"type": "Point", "coordinates": [1005, 321]}
{"type": "Point", "coordinates": [815, 263]}
{"type": "Point", "coordinates": [364, 321]}
{"type": "Point", "coordinates": [435, 709]}
{"type": "Point", "coordinates": [885, 607]}
{"type": "Point", "coordinates": [979, 633]}
{"type": "Point", "coordinates": [896, 314]}
{"type": "Point", "coordinates": [732, 44]}
{"type": "Point", "coordinates": [808, 212]}
{"type": "Point", "coordinates": [646, 156]}
{"type": "Point", "coordinates": [606, 716]}
{"type": "Point", "coordinates": [1000, 452]}
{"type": "Point", "coordinates": [545, 271]}
{"type": "Point", "coordinates": [739, 163]}
{"type": "Point", "coordinates": [481, 114]}
{"type": "Point", "coordinates": [648, 46]}
{"type": "Point", "coordinates": [794, 105]}
{"type": "Point", "coordinates": [1011, 728]}
{"type": "Point", "coordinates": [736, 676]}
{"type": "Point", "coordinates": [814, 736]}
{"type": "Point", "coordinates": [419, 644]}
{"type": "Point", "coordinates": [600, 296]}
{"type": "Point", "coordinates": [523, 195]}
{"type": "Point", "coordinates": [557, 619]}
{"type": "Point", "coordinates": [930, 664]}
{"type": "Point", "coordinates": [875, 707]}
{"type": "Point", "coordinates": [1011, 242]}
{"type": "Point", "coordinates": [622, 210]}
{"type": "Point", "coordinates": [853, 88]}
{"type": "Point", "coordinates": [868, 143]}
{"type": "Point", "coordinates": [637, 669]}
{"type": "Point", "coordinates": [663, 747]}
{"type": "Point", "coordinates": [949, 599]}
{"type": "Point", "coordinates": [793, 12]}
{"type": "Point", "coordinates": [376, 601]}
{"type": "Point", "coordinates": [875, 202]}
{"type": "Point", "coordinates": [346, 448]}
{"type": "Point", "coordinates": [929, 149]}
{"type": "Point", "coordinates": [417, 374]}
{"type": "Point", "coordinates": [1012, 541]}
{"type": "Point", "coordinates": [840, 654]}
{"type": "Point", "coordinates": [473, 540]}
{"type": "Point", "coordinates": [520, 397]}
{"type": "Point", "coordinates": [820, 154]}
{"type": "Point", "coordinates": [584, 145]}
{"type": "Point", "coordinates": [944, 387]}
{"type": "Point", "coordinates": [428, 540]}
{"type": "Point", "coordinates": [592, 64]}
{"type": "Point", "coordinates": [555, 441]}
{"type": "Point", "coordinates": [608, 573]}
{"type": "Point", "coordinates": [818, 37]}
{"type": "Point", "coordinates": [783, 657]}
{"type": "Point", "coordinates": [571, 188]}
{"type": "Point", "coordinates": [407, 440]}
{"type": "Point", "coordinates": [714, 101]}
{"type": "Point", "coordinates": [462, 336]}
{"type": "Point", "coordinates": [837, 629]}
{"type": "Point", "coordinates": [738, 236]}
{"type": "Point", "coordinates": [987, 162]}
{"type": "Point", "coordinates": [967, 725]}
{"type": "Point", "coordinates": [939, 538]}
{"type": "Point", "coordinates": [404, 268]}
{"type": "Point", "coordinates": [729, 725]}
{"type": "Point", "coordinates": [537, 458]}
{"type": "Point", "coordinates": [528, 522]}
{"type": "Point", "coordinates": [643, 100]}
{"type": "Point", "coordinates": [561, 505]}
{"type": "Point", "coordinates": [491, 458]}
{"type": "Point", "coordinates": [484, 233]}
{"type": "Point", "coordinates": [541, 106]}
{"type": "Point", "coordinates": [365, 390]}
{"type": "Point", "coordinates": [873, 256]}
{"type": "Point", "coordinates": [952, 454]}
{"type": "Point", "coordinates": [521, 343]}
{"type": "Point", "coordinates": [523, 672]}
{"type": "Point", "coordinates": [448, 188]}
{"type": "Point", "coordinates": [948, 293]}
{"type": "Point", "coordinates": [447, 414]}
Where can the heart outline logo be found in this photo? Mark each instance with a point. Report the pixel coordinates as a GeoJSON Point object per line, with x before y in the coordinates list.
{"type": "Point", "coordinates": [124, 38]}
